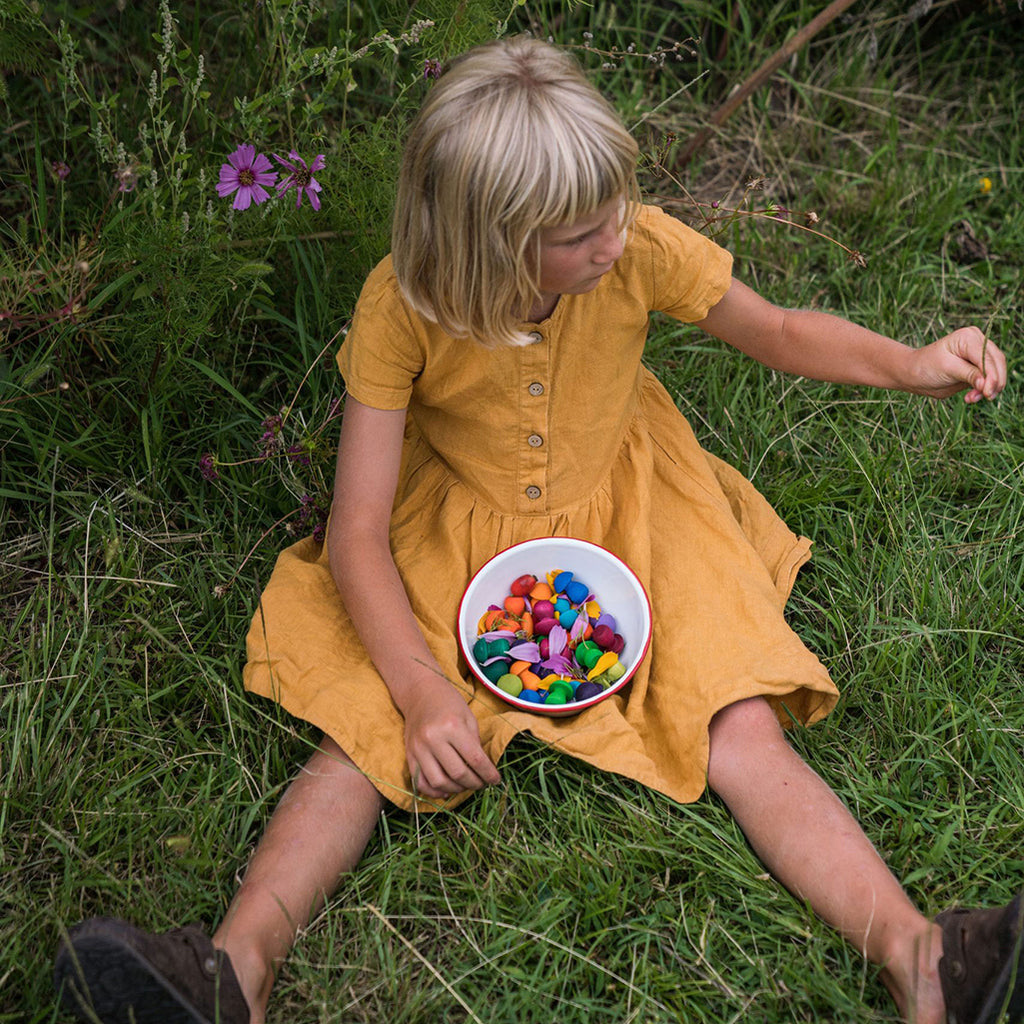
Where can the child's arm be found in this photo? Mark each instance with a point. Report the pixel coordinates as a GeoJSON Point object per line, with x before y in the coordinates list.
{"type": "Point", "coordinates": [827, 347]}
{"type": "Point", "coordinates": [442, 740]}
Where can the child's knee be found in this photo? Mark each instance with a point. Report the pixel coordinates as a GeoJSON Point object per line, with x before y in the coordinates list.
{"type": "Point", "coordinates": [738, 735]}
{"type": "Point", "coordinates": [745, 718]}
{"type": "Point", "coordinates": [329, 748]}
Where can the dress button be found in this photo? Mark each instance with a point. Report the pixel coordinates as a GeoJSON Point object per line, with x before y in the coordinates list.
{"type": "Point", "coordinates": [535, 440]}
{"type": "Point", "coordinates": [533, 493]}
{"type": "Point", "coordinates": [536, 388]}
{"type": "Point", "coordinates": [535, 336]}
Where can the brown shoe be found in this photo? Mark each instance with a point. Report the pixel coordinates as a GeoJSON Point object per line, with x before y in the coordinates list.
{"type": "Point", "coordinates": [109, 971]}
{"type": "Point", "coordinates": [982, 967]}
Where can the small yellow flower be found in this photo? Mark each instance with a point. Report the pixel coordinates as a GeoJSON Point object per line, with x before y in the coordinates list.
{"type": "Point", "coordinates": [985, 184]}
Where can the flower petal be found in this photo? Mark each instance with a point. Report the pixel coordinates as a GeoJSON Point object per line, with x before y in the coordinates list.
{"type": "Point", "coordinates": [243, 199]}
{"type": "Point", "coordinates": [557, 640]}
{"type": "Point", "coordinates": [261, 163]}
{"type": "Point", "coordinates": [525, 651]}
{"type": "Point", "coordinates": [225, 188]}
{"type": "Point", "coordinates": [557, 663]}
{"type": "Point", "coordinates": [498, 634]}
{"type": "Point", "coordinates": [243, 156]}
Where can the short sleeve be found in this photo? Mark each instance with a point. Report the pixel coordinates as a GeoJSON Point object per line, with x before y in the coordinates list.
{"type": "Point", "coordinates": [383, 352]}
{"type": "Point", "coordinates": [690, 272]}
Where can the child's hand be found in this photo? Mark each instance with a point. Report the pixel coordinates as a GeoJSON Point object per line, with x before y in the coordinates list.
{"type": "Point", "coordinates": [442, 744]}
{"type": "Point", "coordinates": [963, 359]}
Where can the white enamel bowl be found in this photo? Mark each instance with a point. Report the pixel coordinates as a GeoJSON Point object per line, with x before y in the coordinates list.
{"type": "Point", "coordinates": [615, 588]}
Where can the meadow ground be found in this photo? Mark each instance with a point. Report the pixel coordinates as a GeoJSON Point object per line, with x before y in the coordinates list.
{"type": "Point", "coordinates": [146, 326]}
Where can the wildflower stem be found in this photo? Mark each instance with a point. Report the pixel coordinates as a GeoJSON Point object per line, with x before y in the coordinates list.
{"type": "Point", "coordinates": [288, 408]}
{"type": "Point", "coordinates": [739, 212]}
{"type": "Point", "coordinates": [985, 332]}
{"type": "Point", "coordinates": [222, 588]}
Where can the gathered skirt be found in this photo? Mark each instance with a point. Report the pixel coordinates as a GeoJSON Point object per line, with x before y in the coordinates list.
{"type": "Point", "coordinates": [716, 560]}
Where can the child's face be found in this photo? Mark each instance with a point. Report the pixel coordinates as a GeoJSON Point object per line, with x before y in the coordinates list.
{"type": "Point", "coordinates": [574, 257]}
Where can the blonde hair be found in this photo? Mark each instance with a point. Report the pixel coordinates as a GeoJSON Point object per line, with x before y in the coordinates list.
{"type": "Point", "coordinates": [511, 139]}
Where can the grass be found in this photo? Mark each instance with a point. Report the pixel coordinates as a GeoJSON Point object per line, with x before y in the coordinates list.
{"type": "Point", "coordinates": [137, 774]}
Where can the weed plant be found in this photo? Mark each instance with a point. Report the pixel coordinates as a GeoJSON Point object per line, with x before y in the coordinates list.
{"type": "Point", "coordinates": [151, 333]}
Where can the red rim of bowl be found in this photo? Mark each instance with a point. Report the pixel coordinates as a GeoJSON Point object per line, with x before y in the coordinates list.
{"type": "Point", "coordinates": [555, 710]}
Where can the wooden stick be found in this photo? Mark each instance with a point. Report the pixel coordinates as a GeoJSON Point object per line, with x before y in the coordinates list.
{"type": "Point", "coordinates": [761, 75]}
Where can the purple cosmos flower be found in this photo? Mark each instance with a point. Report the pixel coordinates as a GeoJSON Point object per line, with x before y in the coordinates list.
{"type": "Point", "coordinates": [300, 178]}
{"type": "Point", "coordinates": [248, 174]}
{"type": "Point", "coordinates": [431, 69]}
{"type": "Point", "coordinates": [59, 169]}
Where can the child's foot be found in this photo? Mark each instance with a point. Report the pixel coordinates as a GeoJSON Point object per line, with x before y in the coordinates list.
{"type": "Point", "coordinates": [109, 971]}
{"type": "Point", "coordinates": [982, 966]}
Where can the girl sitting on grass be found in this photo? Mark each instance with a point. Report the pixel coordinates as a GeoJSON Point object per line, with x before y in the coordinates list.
{"type": "Point", "coordinates": [509, 319]}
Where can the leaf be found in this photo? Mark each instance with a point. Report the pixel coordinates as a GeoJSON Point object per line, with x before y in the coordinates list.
{"type": "Point", "coordinates": [6, 492]}
{"type": "Point", "coordinates": [111, 289]}
{"type": "Point", "coordinates": [254, 268]}
{"type": "Point", "coordinates": [224, 383]}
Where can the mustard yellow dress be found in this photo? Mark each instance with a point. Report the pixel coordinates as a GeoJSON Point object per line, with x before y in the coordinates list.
{"type": "Point", "coordinates": [568, 436]}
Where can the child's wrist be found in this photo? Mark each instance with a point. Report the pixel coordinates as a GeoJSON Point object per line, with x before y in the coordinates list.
{"type": "Point", "coordinates": [427, 683]}
{"type": "Point", "coordinates": [905, 368]}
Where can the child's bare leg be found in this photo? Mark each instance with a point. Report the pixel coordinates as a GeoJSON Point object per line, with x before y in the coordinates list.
{"type": "Point", "coordinates": [317, 833]}
{"type": "Point", "coordinates": [812, 845]}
